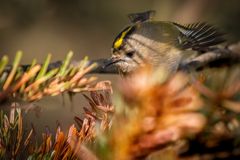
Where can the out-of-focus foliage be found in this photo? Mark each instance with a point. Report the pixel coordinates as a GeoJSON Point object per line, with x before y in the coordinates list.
{"type": "Point", "coordinates": [157, 116]}
{"type": "Point", "coordinates": [184, 117]}
{"type": "Point", "coordinates": [16, 144]}
{"type": "Point", "coordinates": [160, 113]}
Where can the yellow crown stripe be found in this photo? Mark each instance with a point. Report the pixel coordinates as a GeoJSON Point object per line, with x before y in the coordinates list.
{"type": "Point", "coordinates": [119, 41]}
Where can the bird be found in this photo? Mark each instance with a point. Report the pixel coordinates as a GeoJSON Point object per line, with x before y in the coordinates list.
{"type": "Point", "coordinates": [160, 43]}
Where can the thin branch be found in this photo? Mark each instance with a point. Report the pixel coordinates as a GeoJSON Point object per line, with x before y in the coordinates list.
{"type": "Point", "coordinates": [216, 57]}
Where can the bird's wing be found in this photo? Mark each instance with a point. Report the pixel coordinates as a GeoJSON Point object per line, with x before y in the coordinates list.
{"type": "Point", "coordinates": [142, 16]}
{"type": "Point", "coordinates": [199, 36]}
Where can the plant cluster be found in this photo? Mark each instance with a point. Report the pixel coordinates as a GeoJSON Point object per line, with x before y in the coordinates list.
{"type": "Point", "coordinates": [157, 116]}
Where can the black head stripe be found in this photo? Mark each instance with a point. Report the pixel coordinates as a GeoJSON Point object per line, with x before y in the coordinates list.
{"type": "Point", "coordinates": [119, 40]}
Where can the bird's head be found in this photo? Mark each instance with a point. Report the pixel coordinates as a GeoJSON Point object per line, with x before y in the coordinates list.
{"type": "Point", "coordinates": [129, 50]}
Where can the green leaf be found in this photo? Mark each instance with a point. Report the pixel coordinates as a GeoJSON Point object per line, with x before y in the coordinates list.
{"type": "Point", "coordinates": [44, 67]}
{"type": "Point", "coordinates": [66, 62]}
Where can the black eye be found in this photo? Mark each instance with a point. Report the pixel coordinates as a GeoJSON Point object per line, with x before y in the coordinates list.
{"type": "Point", "coordinates": [130, 54]}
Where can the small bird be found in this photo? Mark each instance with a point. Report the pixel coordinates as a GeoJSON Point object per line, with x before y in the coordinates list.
{"type": "Point", "coordinates": [160, 43]}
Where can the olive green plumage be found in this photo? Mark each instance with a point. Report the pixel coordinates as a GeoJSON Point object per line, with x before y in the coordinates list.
{"type": "Point", "coordinates": [160, 43]}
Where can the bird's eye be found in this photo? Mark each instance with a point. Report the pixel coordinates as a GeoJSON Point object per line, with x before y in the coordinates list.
{"type": "Point", "coordinates": [130, 54]}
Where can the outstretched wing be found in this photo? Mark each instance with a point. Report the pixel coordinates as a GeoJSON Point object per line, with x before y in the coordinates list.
{"type": "Point", "coordinates": [199, 36]}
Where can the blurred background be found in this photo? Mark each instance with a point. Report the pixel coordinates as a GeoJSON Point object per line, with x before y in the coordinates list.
{"type": "Point", "coordinates": [39, 27]}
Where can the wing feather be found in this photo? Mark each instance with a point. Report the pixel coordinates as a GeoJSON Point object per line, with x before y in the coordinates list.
{"type": "Point", "coordinates": [199, 36]}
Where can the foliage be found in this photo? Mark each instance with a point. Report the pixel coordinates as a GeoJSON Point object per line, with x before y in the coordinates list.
{"type": "Point", "coordinates": [15, 144]}
{"type": "Point", "coordinates": [158, 116]}
{"type": "Point", "coordinates": [181, 117]}
{"type": "Point", "coordinates": [36, 81]}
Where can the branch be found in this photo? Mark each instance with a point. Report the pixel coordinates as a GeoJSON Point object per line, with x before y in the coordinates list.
{"type": "Point", "coordinates": [216, 57]}
{"type": "Point", "coordinates": [100, 69]}
{"type": "Point", "coordinates": [33, 82]}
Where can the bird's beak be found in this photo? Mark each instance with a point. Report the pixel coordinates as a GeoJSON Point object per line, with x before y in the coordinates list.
{"type": "Point", "coordinates": [111, 61]}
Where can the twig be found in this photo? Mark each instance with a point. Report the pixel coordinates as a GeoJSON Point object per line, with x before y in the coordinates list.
{"type": "Point", "coordinates": [214, 58]}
